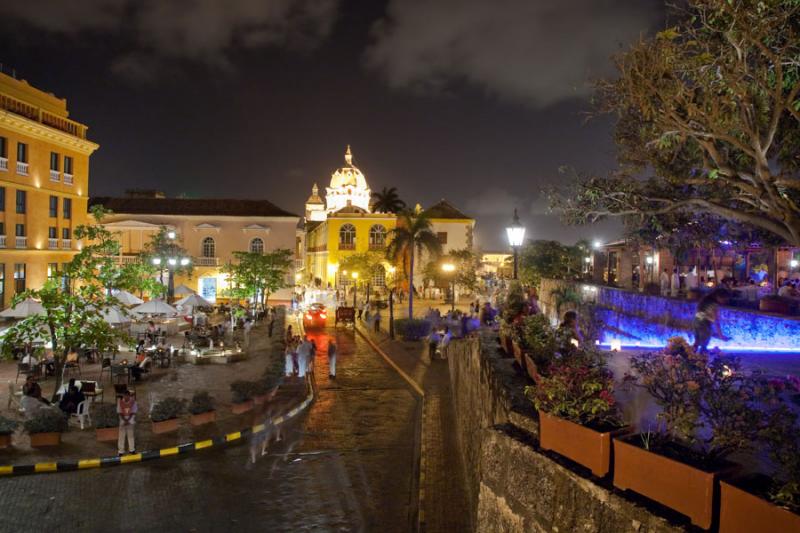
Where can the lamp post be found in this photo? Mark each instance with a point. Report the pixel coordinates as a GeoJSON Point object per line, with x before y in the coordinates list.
{"type": "Point", "coordinates": [516, 235]}
{"type": "Point", "coordinates": [355, 287]}
{"type": "Point", "coordinates": [172, 264]}
{"type": "Point", "coordinates": [450, 269]}
{"type": "Point", "coordinates": [392, 270]}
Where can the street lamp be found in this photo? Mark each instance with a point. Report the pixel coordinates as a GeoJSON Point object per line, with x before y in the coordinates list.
{"type": "Point", "coordinates": [355, 287]}
{"type": "Point", "coordinates": [450, 268]}
{"type": "Point", "coordinates": [516, 235]}
{"type": "Point", "coordinates": [172, 263]}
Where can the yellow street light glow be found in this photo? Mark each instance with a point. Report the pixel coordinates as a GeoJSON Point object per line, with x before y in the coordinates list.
{"type": "Point", "coordinates": [355, 275]}
{"type": "Point", "coordinates": [332, 268]}
{"type": "Point", "coordinates": [298, 277]}
{"type": "Point", "coordinates": [344, 272]}
{"type": "Point", "coordinates": [448, 267]}
{"type": "Point", "coordinates": [392, 269]}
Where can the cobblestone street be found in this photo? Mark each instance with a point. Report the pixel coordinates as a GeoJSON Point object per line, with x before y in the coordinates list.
{"type": "Point", "coordinates": [348, 464]}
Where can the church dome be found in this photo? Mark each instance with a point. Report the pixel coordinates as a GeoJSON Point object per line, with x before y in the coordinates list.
{"type": "Point", "coordinates": [349, 175]}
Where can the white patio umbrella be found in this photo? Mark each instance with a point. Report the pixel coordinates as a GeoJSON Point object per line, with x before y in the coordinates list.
{"type": "Point", "coordinates": [194, 300]}
{"type": "Point", "coordinates": [27, 307]}
{"type": "Point", "coordinates": [126, 298]}
{"type": "Point", "coordinates": [155, 307]}
{"type": "Point", "coordinates": [183, 289]}
{"type": "Point", "coordinates": [113, 315]}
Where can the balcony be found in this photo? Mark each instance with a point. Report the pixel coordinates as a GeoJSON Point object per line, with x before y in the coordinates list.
{"type": "Point", "coordinates": [347, 246]}
{"type": "Point", "coordinates": [68, 179]}
{"type": "Point", "coordinates": [206, 261]}
{"type": "Point", "coordinates": [52, 244]}
{"type": "Point", "coordinates": [37, 114]}
{"type": "Point", "coordinates": [55, 175]}
{"type": "Point", "coordinates": [377, 247]}
{"type": "Point", "coordinates": [22, 168]}
{"type": "Point", "coordinates": [66, 244]}
{"type": "Point", "coordinates": [2, 241]}
{"type": "Point", "coordinates": [127, 259]}
{"type": "Point", "coordinates": [3, 163]}
{"type": "Point", "coordinates": [22, 242]}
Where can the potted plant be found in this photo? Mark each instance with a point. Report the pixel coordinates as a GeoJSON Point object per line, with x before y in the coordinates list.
{"type": "Point", "coordinates": [165, 413]}
{"type": "Point", "coordinates": [242, 393]}
{"type": "Point", "coordinates": [768, 503]}
{"type": "Point", "coordinates": [201, 408]}
{"type": "Point", "coordinates": [706, 413]}
{"type": "Point", "coordinates": [46, 426]}
{"type": "Point", "coordinates": [538, 344]}
{"type": "Point", "coordinates": [106, 422]}
{"type": "Point", "coordinates": [577, 412]}
{"type": "Point", "coordinates": [7, 428]}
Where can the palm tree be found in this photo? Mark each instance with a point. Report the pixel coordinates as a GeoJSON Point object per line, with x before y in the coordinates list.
{"type": "Point", "coordinates": [387, 201]}
{"type": "Point", "coordinates": [412, 235]}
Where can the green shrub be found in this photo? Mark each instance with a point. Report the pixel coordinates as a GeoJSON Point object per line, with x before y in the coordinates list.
{"type": "Point", "coordinates": [7, 426]}
{"type": "Point", "coordinates": [167, 409]}
{"type": "Point", "coordinates": [47, 420]}
{"type": "Point", "coordinates": [241, 391]}
{"type": "Point", "coordinates": [539, 338]}
{"type": "Point", "coordinates": [105, 416]}
{"type": "Point", "coordinates": [412, 329]}
{"type": "Point", "coordinates": [202, 402]}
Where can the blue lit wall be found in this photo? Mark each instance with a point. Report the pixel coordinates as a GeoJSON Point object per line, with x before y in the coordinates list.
{"type": "Point", "coordinates": [636, 319]}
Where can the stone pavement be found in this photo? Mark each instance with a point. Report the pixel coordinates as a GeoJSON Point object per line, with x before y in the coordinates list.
{"type": "Point", "coordinates": [180, 380]}
{"type": "Point", "coordinates": [444, 505]}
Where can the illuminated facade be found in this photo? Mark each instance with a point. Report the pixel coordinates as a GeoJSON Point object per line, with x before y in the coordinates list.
{"type": "Point", "coordinates": [209, 230]}
{"type": "Point", "coordinates": [44, 183]}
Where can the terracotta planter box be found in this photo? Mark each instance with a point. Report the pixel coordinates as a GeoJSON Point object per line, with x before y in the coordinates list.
{"type": "Point", "coordinates": [583, 445]}
{"type": "Point", "coordinates": [239, 408]}
{"type": "Point", "coordinates": [203, 418]}
{"type": "Point", "coordinates": [771, 305]}
{"type": "Point", "coordinates": [505, 344]}
{"type": "Point", "coordinates": [165, 426]}
{"type": "Point", "coordinates": [39, 440]}
{"type": "Point", "coordinates": [742, 512]}
{"type": "Point", "coordinates": [531, 368]}
{"type": "Point", "coordinates": [107, 434]}
{"type": "Point", "coordinates": [5, 441]}
{"type": "Point", "coordinates": [684, 488]}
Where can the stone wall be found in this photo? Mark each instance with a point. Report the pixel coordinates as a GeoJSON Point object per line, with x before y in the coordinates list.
{"type": "Point", "coordinates": [513, 486]}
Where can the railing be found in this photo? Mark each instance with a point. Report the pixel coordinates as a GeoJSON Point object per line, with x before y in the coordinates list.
{"type": "Point", "coordinates": [52, 243]}
{"type": "Point", "coordinates": [24, 109]}
{"type": "Point", "coordinates": [127, 259]}
{"type": "Point", "coordinates": [54, 175]}
{"type": "Point", "coordinates": [375, 247]}
{"type": "Point", "coordinates": [347, 246]}
{"type": "Point", "coordinates": [3, 163]}
{"type": "Point", "coordinates": [22, 242]}
{"type": "Point", "coordinates": [22, 168]}
{"type": "Point", "coordinates": [68, 179]}
{"type": "Point", "coordinates": [206, 261]}
{"type": "Point", "coordinates": [2, 241]}
{"type": "Point", "coordinates": [66, 244]}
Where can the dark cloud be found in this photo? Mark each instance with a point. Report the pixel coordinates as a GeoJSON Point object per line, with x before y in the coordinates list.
{"type": "Point", "coordinates": [534, 51]}
{"type": "Point", "coordinates": [166, 31]}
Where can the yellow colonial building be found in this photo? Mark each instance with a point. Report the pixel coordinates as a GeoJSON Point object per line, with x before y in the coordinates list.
{"type": "Point", "coordinates": [344, 224]}
{"type": "Point", "coordinates": [44, 183]}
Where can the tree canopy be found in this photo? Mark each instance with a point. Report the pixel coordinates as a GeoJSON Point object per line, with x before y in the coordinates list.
{"type": "Point", "coordinates": [708, 121]}
{"type": "Point", "coordinates": [255, 276]}
{"type": "Point", "coordinates": [550, 259]}
{"type": "Point", "coordinates": [465, 274]}
{"type": "Point", "coordinates": [387, 201]}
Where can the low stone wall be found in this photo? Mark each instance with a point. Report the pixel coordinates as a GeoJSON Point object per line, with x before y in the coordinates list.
{"type": "Point", "coordinates": [513, 486]}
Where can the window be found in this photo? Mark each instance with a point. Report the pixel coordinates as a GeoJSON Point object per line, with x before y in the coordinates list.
{"type": "Point", "coordinates": [20, 230]}
{"type": "Point", "coordinates": [67, 165]}
{"type": "Point", "coordinates": [65, 278]}
{"type": "Point", "coordinates": [67, 210]}
{"type": "Point", "coordinates": [54, 161]}
{"type": "Point", "coordinates": [3, 228]}
{"type": "Point", "coordinates": [19, 277]}
{"type": "Point", "coordinates": [52, 270]}
{"type": "Point", "coordinates": [3, 153]}
{"type": "Point", "coordinates": [22, 153]}
{"type": "Point", "coordinates": [2, 283]}
{"type": "Point", "coordinates": [2, 198]}
{"type": "Point", "coordinates": [52, 232]}
{"type": "Point", "coordinates": [442, 236]}
{"type": "Point", "coordinates": [209, 247]}
{"type": "Point", "coordinates": [65, 234]}
{"type": "Point", "coordinates": [21, 197]}
{"type": "Point", "coordinates": [377, 236]}
{"type": "Point", "coordinates": [53, 206]}
{"type": "Point", "coordinates": [347, 237]}
{"type": "Point", "coordinates": [379, 276]}
{"type": "Point", "coordinates": [257, 246]}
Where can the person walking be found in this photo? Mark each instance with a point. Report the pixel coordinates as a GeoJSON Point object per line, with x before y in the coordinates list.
{"type": "Point", "coordinates": [289, 360]}
{"type": "Point", "coordinates": [126, 409]}
{"type": "Point", "coordinates": [271, 323]}
{"type": "Point", "coordinates": [675, 283]}
{"type": "Point", "coordinates": [445, 342]}
{"type": "Point", "coordinates": [377, 320]}
{"type": "Point", "coordinates": [303, 354]}
{"type": "Point", "coordinates": [706, 322]}
{"type": "Point", "coordinates": [433, 344]}
{"type": "Point", "coordinates": [664, 282]}
{"type": "Point", "coordinates": [332, 359]}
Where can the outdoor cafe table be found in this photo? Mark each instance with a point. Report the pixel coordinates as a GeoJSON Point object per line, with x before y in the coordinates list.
{"type": "Point", "coordinates": [98, 391]}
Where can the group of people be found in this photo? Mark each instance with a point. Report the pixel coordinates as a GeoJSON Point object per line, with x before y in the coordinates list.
{"type": "Point", "coordinates": [438, 342]}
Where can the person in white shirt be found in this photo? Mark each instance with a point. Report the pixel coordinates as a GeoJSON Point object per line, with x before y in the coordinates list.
{"type": "Point", "coordinates": [691, 279]}
{"type": "Point", "coordinates": [664, 282]}
{"type": "Point", "coordinates": [303, 357]}
{"type": "Point", "coordinates": [445, 342]}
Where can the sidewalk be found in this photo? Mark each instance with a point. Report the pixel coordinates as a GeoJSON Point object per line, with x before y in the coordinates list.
{"type": "Point", "coordinates": [180, 380]}
{"type": "Point", "coordinates": [444, 502]}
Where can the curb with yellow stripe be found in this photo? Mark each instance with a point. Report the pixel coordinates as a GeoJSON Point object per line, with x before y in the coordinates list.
{"type": "Point", "coordinates": [181, 449]}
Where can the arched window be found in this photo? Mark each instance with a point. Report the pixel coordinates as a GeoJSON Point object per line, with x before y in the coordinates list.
{"type": "Point", "coordinates": [209, 247]}
{"type": "Point", "coordinates": [257, 246]}
{"type": "Point", "coordinates": [347, 237]}
{"type": "Point", "coordinates": [379, 276]}
{"type": "Point", "coordinates": [377, 236]}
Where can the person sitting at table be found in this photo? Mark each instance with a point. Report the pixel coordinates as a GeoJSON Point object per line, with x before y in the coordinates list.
{"type": "Point", "coordinates": [138, 369]}
{"type": "Point", "coordinates": [31, 389]}
{"type": "Point", "coordinates": [30, 360]}
{"type": "Point", "coordinates": [70, 399]}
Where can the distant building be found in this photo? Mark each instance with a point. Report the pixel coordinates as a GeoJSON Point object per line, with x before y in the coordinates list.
{"type": "Point", "coordinates": [44, 183]}
{"type": "Point", "coordinates": [497, 264]}
{"type": "Point", "coordinates": [210, 230]}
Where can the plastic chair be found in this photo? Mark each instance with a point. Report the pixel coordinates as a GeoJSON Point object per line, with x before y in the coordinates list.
{"type": "Point", "coordinates": [14, 397]}
{"type": "Point", "coordinates": [82, 414]}
{"type": "Point", "coordinates": [25, 369]}
{"type": "Point", "coordinates": [105, 367]}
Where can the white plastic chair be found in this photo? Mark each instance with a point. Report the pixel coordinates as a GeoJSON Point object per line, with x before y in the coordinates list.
{"type": "Point", "coordinates": [82, 414]}
{"type": "Point", "coordinates": [14, 397]}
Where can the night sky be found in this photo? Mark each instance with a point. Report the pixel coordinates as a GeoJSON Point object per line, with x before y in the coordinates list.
{"type": "Point", "coordinates": [477, 101]}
